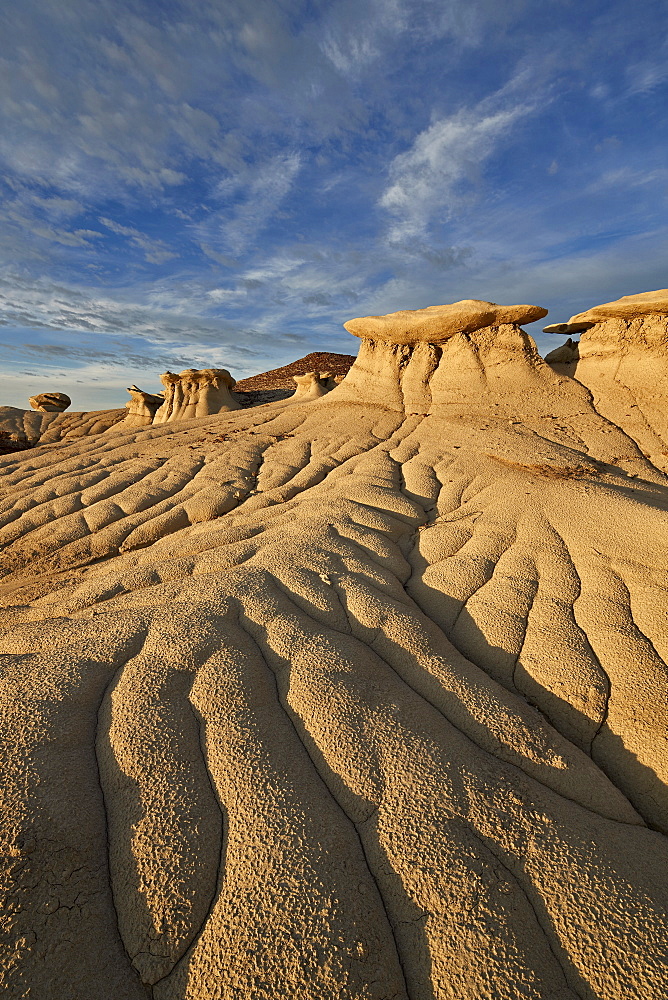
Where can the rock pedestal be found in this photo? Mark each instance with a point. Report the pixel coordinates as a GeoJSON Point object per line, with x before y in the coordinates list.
{"type": "Point", "coordinates": [311, 385]}
{"type": "Point", "coordinates": [142, 407]}
{"type": "Point", "coordinates": [622, 358]}
{"type": "Point", "coordinates": [196, 393]}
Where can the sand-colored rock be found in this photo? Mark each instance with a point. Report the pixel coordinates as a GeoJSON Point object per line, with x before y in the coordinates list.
{"type": "Point", "coordinates": [50, 402]}
{"type": "Point", "coordinates": [566, 354]}
{"type": "Point", "coordinates": [622, 358]}
{"type": "Point", "coordinates": [196, 393]}
{"type": "Point", "coordinates": [311, 385]}
{"type": "Point", "coordinates": [628, 307]}
{"type": "Point", "coordinates": [142, 407]}
{"type": "Point", "coordinates": [438, 323]}
{"type": "Point", "coordinates": [27, 428]}
{"type": "Point", "coordinates": [362, 698]}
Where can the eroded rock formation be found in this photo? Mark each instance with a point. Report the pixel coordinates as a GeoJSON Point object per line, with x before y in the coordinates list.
{"type": "Point", "coordinates": [196, 393]}
{"type": "Point", "coordinates": [50, 402]}
{"type": "Point", "coordinates": [567, 354]}
{"type": "Point", "coordinates": [311, 385]}
{"type": "Point", "coordinates": [622, 357]}
{"type": "Point", "coordinates": [364, 698]}
{"type": "Point", "coordinates": [142, 407]}
{"type": "Point", "coordinates": [26, 428]}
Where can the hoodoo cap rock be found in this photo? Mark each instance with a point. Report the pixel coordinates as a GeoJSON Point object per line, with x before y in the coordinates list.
{"type": "Point", "coordinates": [437, 323]}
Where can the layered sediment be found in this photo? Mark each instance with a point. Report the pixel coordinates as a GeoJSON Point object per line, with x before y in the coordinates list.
{"type": "Point", "coordinates": [357, 698]}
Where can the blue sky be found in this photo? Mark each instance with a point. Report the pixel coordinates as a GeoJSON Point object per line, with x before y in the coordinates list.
{"type": "Point", "coordinates": [225, 183]}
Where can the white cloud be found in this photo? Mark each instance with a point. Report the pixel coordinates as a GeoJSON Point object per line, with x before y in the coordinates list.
{"type": "Point", "coordinates": [257, 193]}
{"type": "Point", "coordinates": [155, 251]}
{"type": "Point", "coordinates": [436, 175]}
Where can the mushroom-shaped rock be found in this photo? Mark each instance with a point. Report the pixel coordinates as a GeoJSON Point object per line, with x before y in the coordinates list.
{"type": "Point", "coordinates": [622, 358]}
{"type": "Point", "coordinates": [310, 385]}
{"type": "Point", "coordinates": [628, 307]}
{"type": "Point", "coordinates": [142, 407]}
{"type": "Point", "coordinates": [196, 393]}
{"type": "Point", "coordinates": [565, 354]}
{"type": "Point", "coordinates": [438, 323]}
{"type": "Point", "coordinates": [447, 356]}
{"type": "Point", "coordinates": [50, 402]}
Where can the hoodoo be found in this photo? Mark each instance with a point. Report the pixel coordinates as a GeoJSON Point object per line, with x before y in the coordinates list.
{"type": "Point", "coordinates": [622, 358]}
{"type": "Point", "coordinates": [196, 393]}
{"type": "Point", "coordinates": [311, 385]}
{"type": "Point", "coordinates": [142, 407]}
{"type": "Point", "coordinates": [356, 699]}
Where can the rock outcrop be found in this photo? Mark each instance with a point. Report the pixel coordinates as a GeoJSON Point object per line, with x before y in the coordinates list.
{"type": "Point", "coordinates": [622, 358]}
{"type": "Point", "coordinates": [27, 428]}
{"type": "Point", "coordinates": [50, 402]}
{"type": "Point", "coordinates": [196, 393]}
{"type": "Point", "coordinates": [353, 700]}
{"type": "Point", "coordinates": [311, 385]}
{"type": "Point", "coordinates": [628, 307]}
{"type": "Point", "coordinates": [142, 407]}
{"type": "Point", "coordinates": [571, 327]}
{"type": "Point", "coordinates": [436, 324]}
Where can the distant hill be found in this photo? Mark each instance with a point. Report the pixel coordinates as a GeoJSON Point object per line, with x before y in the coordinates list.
{"type": "Point", "coordinates": [282, 378]}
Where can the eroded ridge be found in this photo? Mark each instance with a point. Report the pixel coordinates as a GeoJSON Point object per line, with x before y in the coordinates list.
{"type": "Point", "coordinates": [389, 725]}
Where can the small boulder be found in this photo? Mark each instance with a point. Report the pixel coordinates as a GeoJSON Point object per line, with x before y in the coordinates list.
{"type": "Point", "coordinates": [50, 402]}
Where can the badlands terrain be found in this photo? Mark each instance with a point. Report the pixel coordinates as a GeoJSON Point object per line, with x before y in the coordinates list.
{"type": "Point", "coordinates": [356, 694]}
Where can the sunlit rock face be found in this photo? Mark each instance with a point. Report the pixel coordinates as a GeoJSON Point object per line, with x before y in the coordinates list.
{"type": "Point", "coordinates": [311, 385]}
{"type": "Point", "coordinates": [196, 393]}
{"type": "Point", "coordinates": [50, 402]}
{"type": "Point", "coordinates": [356, 699]}
{"type": "Point", "coordinates": [142, 407]}
{"type": "Point", "coordinates": [28, 428]}
{"type": "Point", "coordinates": [622, 357]}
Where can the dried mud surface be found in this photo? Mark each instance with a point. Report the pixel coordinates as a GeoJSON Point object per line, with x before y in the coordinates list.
{"type": "Point", "coordinates": [358, 698]}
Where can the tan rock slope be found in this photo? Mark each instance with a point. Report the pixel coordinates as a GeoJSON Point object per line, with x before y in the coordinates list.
{"type": "Point", "coordinates": [26, 428]}
{"type": "Point", "coordinates": [622, 358]}
{"type": "Point", "coordinates": [358, 698]}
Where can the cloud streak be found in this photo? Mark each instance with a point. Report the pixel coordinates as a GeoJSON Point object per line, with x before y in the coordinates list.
{"type": "Point", "coordinates": [443, 168]}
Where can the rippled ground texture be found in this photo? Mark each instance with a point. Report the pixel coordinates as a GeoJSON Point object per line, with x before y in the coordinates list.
{"type": "Point", "coordinates": [360, 698]}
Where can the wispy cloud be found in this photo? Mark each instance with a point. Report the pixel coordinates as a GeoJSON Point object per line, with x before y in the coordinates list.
{"type": "Point", "coordinates": [253, 196]}
{"type": "Point", "coordinates": [155, 251]}
{"type": "Point", "coordinates": [443, 167]}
